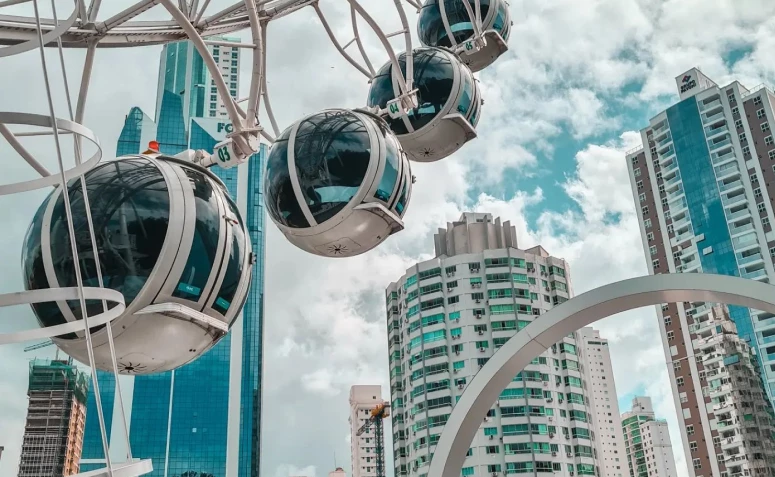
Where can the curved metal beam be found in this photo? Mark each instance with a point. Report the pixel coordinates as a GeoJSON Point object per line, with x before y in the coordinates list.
{"type": "Point", "coordinates": [551, 327]}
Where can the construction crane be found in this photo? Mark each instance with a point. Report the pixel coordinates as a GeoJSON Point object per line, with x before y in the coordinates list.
{"type": "Point", "coordinates": [42, 344]}
{"type": "Point", "coordinates": [380, 412]}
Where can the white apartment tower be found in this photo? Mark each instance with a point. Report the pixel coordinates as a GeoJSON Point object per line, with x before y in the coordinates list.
{"type": "Point", "coordinates": [704, 184]}
{"type": "Point", "coordinates": [227, 57]}
{"type": "Point", "coordinates": [647, 442]}
{"type": "Point", "coordinates": [364, 448]}
{"type": "Point", "coordinates": [601, 390]}
{"type": "Point", "coordinates": [446, 317]}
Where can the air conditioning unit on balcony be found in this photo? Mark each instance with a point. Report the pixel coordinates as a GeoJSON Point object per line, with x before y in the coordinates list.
{"type": "Point", "coordinates": [481, 332]}
{"type": "Point", "coordinates": [492, 438]}
{"type": "Point", "coordinates": [554, 454]}
{"type": "Point", "coordinates": [570, 454]}
{"type": "Point", "coordinates": [481, 350]}
{"type": "Point", "coordinates": [455, 371]}
{"type": "Point", "coordinates": [460, 386]}
{"type": "Point", "coordinates": [478, 317]}
{"type": "Point", "coordinates": [457, 353]}
{"type": "Point", "coordinates": [478, 300]}
{"type": "Point", "coordinates": [551, 435]}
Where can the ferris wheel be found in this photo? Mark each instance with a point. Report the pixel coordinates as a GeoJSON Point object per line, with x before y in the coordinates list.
{"type": "Point", "coordinates": [338, 182]}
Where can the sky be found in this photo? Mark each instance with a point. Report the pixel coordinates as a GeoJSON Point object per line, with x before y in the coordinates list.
{"type": "Point", "coordinates": [561, 108]}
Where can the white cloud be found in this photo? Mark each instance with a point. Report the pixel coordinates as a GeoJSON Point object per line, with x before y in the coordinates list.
{"type": "Point", "coordinates": [571, 64]}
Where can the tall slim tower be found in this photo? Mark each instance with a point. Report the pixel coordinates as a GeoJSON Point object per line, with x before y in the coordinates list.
{"type": "Point", "coordinates": [169, 421]}
{"type": "Point", "coordinates": [447, 316]}
{"type": "Point", "coordinates": [704, 185]}
{"type": "Point", "coordinates": [647, 440]}
{"type": "Point", "coordinates": [364, 448]}
{"type": "Point", "coordinates": [53, 433]}
{"type": "Point", "coordinates": [609, 442]}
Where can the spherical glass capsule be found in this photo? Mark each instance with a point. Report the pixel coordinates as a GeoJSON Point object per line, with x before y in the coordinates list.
{"type": "Point", "coordinates": [337, 183]}
{"type": "Point", "coordinates": [448, 104]}
{"type": "Point", "coordinates": [169, 238]}
{"type": "Point", "coordinates": [457, 33]}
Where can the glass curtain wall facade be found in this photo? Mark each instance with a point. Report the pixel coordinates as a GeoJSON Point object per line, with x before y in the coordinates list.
{"type": "Point", "coordinates": [203, 417]}
{"type": "Point", "coordinates": [703, 184]}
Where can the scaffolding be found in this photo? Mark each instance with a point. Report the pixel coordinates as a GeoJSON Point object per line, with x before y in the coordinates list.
{"type": "Point", "coordinates": [53, 433]}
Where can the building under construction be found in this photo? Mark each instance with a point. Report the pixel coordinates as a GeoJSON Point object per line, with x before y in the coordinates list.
{"type": "Point", "coordinates": [53, 434]}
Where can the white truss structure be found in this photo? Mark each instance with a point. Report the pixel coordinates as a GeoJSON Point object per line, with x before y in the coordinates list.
{"type": "Point", "coordinates": [194, 20]}
{"type": "Point", "coordinates": [78, 24]}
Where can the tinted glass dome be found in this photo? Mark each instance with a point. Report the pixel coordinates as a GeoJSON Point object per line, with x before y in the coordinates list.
{"type": "Point", "coordinates": [434, 77]}
{"type": "Point", "coordinates": [130, 209]}
{"type": "Point", "coordinates": [331, 151]}
{"type": "Point", "coordinates": [430, 26]}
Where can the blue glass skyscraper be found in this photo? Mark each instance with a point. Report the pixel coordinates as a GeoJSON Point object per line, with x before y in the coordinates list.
{"type": "Point", "coordinates": [205, 416]}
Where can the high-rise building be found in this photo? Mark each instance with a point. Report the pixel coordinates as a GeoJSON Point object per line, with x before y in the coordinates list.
{"type": "Point", "coordinates": [53, 433]}
{"type": "Point", "coordinates": [366, 448]}
{"type": "Point", "coordinates": [703, 184]}
{"type": "Point", "coordinates": [446, 317]}
{"type": "Point", "coordinates": [338, 472]}
{"type": "Point", "coordinates": [186, 89]}
{"type": "Point", "coordinates": [609, 440]}
{"type": "Point", "coordinates": [742, 415]}
{"type": "Point", "coordinates": [647, 442]}
{"type": "Point", "coordinates": [206, 416]}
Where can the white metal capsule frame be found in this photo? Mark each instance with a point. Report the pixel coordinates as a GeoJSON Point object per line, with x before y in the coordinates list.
{"type": "Point", "coordinates": [448, 104]}
{"type": "Point", "coordinates": [169, 239]}
{"type": "Point", "coordinates": [479, 40]}
{"type": "Point", "coordinates": [337, 183]}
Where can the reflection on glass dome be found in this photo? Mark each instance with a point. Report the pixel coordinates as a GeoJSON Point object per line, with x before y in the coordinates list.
{"type": "Point", "coordinates": [332, 153]}
{"type": "Point", "coordinates": [430, 26]}
{"type": "Point", "coordinates": [496, 27]}
{"type": "Point", "coordinates": [434, 76]}
{"type": "Point", "coordinates": [130, 210]}
{"type": "Point", "coordinates": [337, 182]}
{"type": "Point", "coordinates": [448, 103]}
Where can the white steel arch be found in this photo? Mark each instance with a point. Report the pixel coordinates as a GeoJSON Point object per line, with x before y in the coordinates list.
{"type": "Point", "coordinates": [583, 310]}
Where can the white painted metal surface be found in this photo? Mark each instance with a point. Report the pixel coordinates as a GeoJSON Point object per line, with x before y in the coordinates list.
{"type": "Point", "coordinates": [583, 310]}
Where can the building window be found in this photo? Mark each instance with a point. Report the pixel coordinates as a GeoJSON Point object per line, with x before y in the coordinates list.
{"type": "Point", "coordinates": [679, 381]}
{"type": "Point", "coordinates": [655, 264]}
{"type": "Point", "coordinates": [768, 140]}
{"type": "Point", "coordinates": [765, 221]}
{"type": "Point", "coordinates": [772, 252]}
{"type": "Point", "coordinates": [757, 193]}
{"type": "Point", "coordinates": [760, 113]}
{"type": "Point", "coordinates": [664, 201]}
{"type": "Point", "coordinates": [690, 430]}
{"type": "Point", "coordinates": [668, 322]}
{"type": "Point", "coordinates": [761, 206]}
{"type": "Point", "coordinates": [693, 446]}
{"type": "Point", "coordinates": [453, 299]}
{"type": "Point", "coordinates": [670, 228]}
{"type": "Point", "coordinates": [647, 223]}
{"type": "Point", "coordinates": [739, 124]}
{"type": "Point", "coordinates": [731, 98]}
{"type": "Point", "coordinates": [640, 183]}
{"type": "Point", "coordinates": [668, 215]}
{"type": "Point", "coordinates": [642, 197]}
{"type": "Point", "coordinates": [670, 336]}
{"type": "Point", "coordinates": [659, 175]}
{"type": "Point", "coordinates": [746, 150]}
{"type": "Point", "coordinates": [771, 153]}
{"type": "Point", "coordinates": [635, 161]}
{"type": "Point", "coordinates": [653, 250]}
{"type": "Point", "coordinates": [661, 188]}
{"type": "Point", "coordinates": [636, 172]}
{"type": "Point", "coordinates": [650, 236]}
{"type": "Point", "coordinates": [676, 365]}
{"type": "Point", "coordinates": [742, 137]}
{"type": "Point", "coordinates": [735, 110]}
{"type": "Point", "coordinates": [697, 463]}
{"type": "Point", "coordinates": [753, 177]}
{"type": "Point", "coordinates": [765, 126]}
{"type": "Point", "coordinates": [645, 210]}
